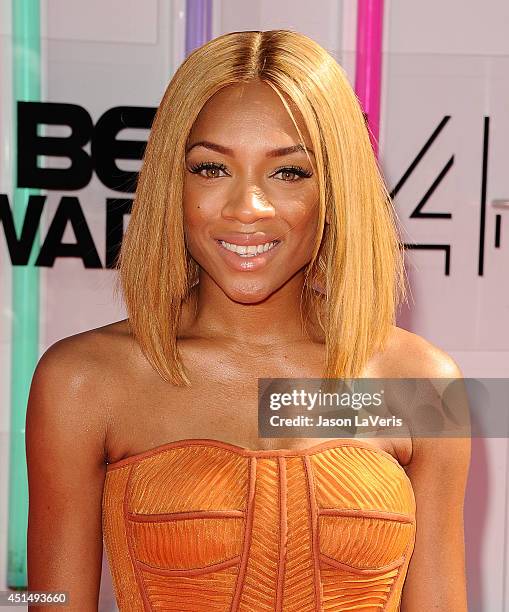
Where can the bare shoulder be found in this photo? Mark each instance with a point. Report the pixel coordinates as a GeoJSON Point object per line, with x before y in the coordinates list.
{"type": "Point", "coordinates": [438, 470]}
{"type": "Point", "coordinates": [416, 357]}
{"type": "Point", "coordinates": [77, 371]}
{"type": "Point", "coordinates": [411, 356]}
{"type": "Point", "coordinates": [88, 347]}
{"type": "Point", "coordinates": [65, 434]}
{"type": "Point", "coordinates": [87, 353]}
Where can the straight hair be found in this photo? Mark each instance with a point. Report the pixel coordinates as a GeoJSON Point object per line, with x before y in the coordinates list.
{"type": "Point", "coordinates": [355, 279]}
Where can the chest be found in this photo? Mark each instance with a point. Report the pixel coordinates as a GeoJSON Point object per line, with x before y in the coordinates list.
{"type": "Point", "coordinates": [314, 530]}
{"type": "Point", "coordinates": [221, 403]}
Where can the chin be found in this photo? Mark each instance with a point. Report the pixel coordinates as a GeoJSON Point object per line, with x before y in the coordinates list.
{"type": "Point", "coordinates": [248, 294]}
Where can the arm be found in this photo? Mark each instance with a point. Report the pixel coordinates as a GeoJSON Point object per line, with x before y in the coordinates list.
{"type": "Point", "coordinates": [438, 470]}
{"type": "Point", "coordinates": [65, 437]}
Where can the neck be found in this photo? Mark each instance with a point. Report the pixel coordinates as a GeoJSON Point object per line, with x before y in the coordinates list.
{"type": "Point", "coordinates": [274, 320]}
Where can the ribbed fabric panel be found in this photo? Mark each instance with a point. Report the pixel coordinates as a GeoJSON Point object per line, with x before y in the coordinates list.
{"type": "Point", "coordinates": [299, 583]}
{"type": "Point", "coordinates": [189, 478]}
{"type": "Point", "coordinates": [347, 592]}
{"type": "Point", "coordinates": [211, 592]}
{"type": "Point", "coordinates": [259, 589]}
{"type": "Point", "coordinates": [362, 542]}
{"type": "Point", "coordinates": [366, 481]}
{"type": "Point", "coordinates": [202, 526]}
{"type": "Point", "coordinates": [114, 527]}
{"type": "Point", "coordinates": [187, 543]}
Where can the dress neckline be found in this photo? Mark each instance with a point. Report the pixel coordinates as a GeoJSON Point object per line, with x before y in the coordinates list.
{"type": "Point", "coordinates": [248, 452]}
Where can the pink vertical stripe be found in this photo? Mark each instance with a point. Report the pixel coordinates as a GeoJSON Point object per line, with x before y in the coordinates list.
{"type": "Point", "coordinates": [368, 68]}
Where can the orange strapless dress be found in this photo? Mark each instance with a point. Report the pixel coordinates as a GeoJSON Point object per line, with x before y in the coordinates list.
{"type": "Point", "coordinates": [201, 525]}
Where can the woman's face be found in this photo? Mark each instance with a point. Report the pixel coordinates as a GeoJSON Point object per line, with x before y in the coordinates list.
{"type": "Point", "coordinates": [250, 194]}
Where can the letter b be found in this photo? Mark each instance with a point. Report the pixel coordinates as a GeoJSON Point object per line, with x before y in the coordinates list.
{"type": "Point", "coordinates": [31, 145]}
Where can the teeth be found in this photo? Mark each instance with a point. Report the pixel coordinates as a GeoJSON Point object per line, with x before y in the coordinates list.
{"type": "Point", "coordinates": [248, 251]}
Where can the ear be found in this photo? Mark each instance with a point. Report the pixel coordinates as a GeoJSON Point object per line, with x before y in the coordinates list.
{"type": "Point", "coordinates": [327, 219]}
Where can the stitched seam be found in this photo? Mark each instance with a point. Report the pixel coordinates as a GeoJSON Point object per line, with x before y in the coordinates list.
{"type": "Point", "coordinates": [248, 452]}
{"type": "Point", "coordinates": [396, 578]}
{"type": "Point", "coordinates": [162, 450]}
{"type": "Point", "coordinates": [138, 577]}
{"type": "Point", "coordinates": [362, 570]}
{"type": "Point", "coordinates": [247, 533]}
{"type": "Point", "coordinates": [283, 532]}
{"type": "Point", "coordinates": [313, 518]}
{"type": "Point", "coordinates": [103, 523]}
{"type": "Point", "coordinates": [181, 516]}
{"type": "Point", "coordinates": [207, 569]}
{"type": "Point", "coordinates": [362, 513]}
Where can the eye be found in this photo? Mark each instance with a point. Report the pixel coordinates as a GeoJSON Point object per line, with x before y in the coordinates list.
{"type": "Point", "coordinates": [212, 169]}
{"type": "Point", "coordinates": [291, 174]}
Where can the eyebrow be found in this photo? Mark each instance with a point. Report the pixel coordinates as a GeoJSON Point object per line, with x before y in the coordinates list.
{"type": "Point", "coordinates": [227, 151]}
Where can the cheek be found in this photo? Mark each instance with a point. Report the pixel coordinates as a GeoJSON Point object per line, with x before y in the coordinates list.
{"type": "Point", "coordinates": [301, 213]}
{"type": "Point", "coordinates": [201, 208]}
{"type": "Point", "coordinates": [193, 217]}
{"type": "Point", "coordinates": [201, 203]}
{"type": "Point", "coordinates": [196, 207]}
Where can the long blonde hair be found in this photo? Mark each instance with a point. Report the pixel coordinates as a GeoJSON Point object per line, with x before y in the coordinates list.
{"type": "Point", "coordinates": [358, 257]}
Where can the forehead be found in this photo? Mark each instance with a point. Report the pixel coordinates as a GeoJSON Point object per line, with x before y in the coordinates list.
{"type": "Point", "coordinates": [241, 112]}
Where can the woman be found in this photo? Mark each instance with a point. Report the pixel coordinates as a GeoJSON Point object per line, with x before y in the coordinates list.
{"type": "Point", "coordinates": [262, 244]}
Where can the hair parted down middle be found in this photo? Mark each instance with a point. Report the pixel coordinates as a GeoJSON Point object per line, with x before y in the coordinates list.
{"type": "Point", "coordinates": [358, 258]}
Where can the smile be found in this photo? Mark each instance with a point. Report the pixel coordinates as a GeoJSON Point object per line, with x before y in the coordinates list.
{"type": "Point", "coordinates": [248, 251]}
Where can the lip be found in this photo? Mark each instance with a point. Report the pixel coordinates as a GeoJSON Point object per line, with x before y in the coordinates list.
{"type": "Point", "coordinates": [248, 239]}
{"type": "Point", "coordinates": [246, 264]}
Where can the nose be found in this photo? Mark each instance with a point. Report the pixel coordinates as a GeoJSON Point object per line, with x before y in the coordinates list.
{"type": "Point", "coordinates": [248, 206]}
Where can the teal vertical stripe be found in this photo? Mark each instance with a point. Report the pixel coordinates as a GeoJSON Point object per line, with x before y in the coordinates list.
{"type": "Point", "coordinates": [26, 75]}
